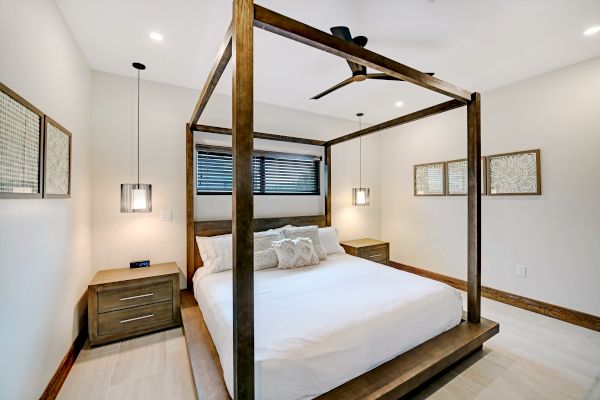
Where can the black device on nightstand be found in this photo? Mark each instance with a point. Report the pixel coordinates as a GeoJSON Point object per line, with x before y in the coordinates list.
{"type": "Point", "coordinates": [139, 264]}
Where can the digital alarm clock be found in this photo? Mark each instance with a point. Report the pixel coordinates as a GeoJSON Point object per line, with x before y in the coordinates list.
{"type": "Point", "coordinates": [139, 264]}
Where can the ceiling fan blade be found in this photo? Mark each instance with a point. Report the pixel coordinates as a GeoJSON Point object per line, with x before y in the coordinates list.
{"type": "Point", "coordinates": [360, 40]}
{"type": "Point", "coordinates": [387, 77]}
{"type": "Point", "coordinates": [333, 88]}
{"type": "Point", "coordinates": [342, 32]}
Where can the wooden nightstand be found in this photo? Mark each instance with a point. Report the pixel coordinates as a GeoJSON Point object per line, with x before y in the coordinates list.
{"type": "Point", "coordinates": [370, 249]}
{"type": "Point", "coordinates": [128, 302]}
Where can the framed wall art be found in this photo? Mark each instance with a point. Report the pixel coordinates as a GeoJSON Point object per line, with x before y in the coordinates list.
{"type": "Point", "coordinates": [456, 177]}
{"type": "Point", "coordinates": [21, 146]}
{"type": "Point", "coordinates": [517, 173]}
{"type": "Point", "coordinates": [430, 179]}
{"type": "Point", "coordinates": [57, 160]}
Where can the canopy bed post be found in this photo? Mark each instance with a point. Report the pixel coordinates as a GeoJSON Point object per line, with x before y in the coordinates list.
{"type": "Point", "coordinates": [328, 185]}
{"type": "Point", "coordinates": [474, 208]}
{"type": "Point", "coordinates": [243, 200]}
{"type": "Point", "coordinates": [189, 200]}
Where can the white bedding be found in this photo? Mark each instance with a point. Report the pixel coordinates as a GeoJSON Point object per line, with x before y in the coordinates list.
{"type": "Point", "coordinates": [318, 327]}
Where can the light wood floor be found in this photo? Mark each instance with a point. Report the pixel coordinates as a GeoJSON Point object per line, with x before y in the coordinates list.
{"type": "Point", "coordinates": [533, 357]}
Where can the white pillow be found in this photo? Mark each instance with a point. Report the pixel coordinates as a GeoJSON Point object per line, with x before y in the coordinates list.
{"type": "Point", "coordinates": [295, 253]}
{"type": "Point", "coordinates": [329, 240]}
{"type": "Point", "coordinates": [264, 254]}
{"type": "Point", "coordinates": [311, 232]}
{"type": "Point", "coordinates": [215, 252]}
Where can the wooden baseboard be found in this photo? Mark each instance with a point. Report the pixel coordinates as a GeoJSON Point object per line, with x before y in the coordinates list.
{"type": "Point", "coordinates": [65, 366]}
{"type": "Point", "coordinates": [564, 314]}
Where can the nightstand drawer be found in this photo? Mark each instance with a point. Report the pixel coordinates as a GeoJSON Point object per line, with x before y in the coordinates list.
{"type": "Point", "coordinates": [135, 295]}
{"type": "Point", "coordinates": [374, 252]}
{"type": "Point", "coordinates": [132, 318]}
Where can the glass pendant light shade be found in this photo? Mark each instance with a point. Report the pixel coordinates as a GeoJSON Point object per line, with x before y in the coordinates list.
{"type": "Point", "coordinates": [136, 197]}
{"type": "Point", "coordinates": [361, 197]}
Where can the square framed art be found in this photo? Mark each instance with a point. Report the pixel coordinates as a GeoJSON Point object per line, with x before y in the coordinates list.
{"type": "Point", "coordinates": [517, 173]}
{"type": "Point", "coordinates": [430, 179]}
{"type": "Point", "coordinates": [57, 160]}
{"type": "Point", "coordinates": [21, 146]}
{"type": "Point", "coordinates": [456, 177]}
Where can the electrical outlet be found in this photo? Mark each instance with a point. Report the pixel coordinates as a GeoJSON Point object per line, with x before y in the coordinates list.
{"type": "Point", "coordinates": [166, 215]}
{"type": "Point", "coordinates": [521, 271]}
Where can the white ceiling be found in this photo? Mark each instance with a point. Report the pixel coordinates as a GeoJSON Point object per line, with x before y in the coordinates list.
{"type": "Point", "coordinates": [476, 44]}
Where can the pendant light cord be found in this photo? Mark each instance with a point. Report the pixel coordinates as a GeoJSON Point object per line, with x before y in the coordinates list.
{"type": "Point", "coordinates": [138, 128]}
{"type": "Point", "coordinates": [360, 154]}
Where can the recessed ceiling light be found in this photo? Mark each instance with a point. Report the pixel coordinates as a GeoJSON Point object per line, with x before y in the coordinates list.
{"type": "Point", "coordinates": [592, 30]}
{"type": "Point", "coordinates": [398, 104]}
{"type": "Point", "coordinates": [156, 36]}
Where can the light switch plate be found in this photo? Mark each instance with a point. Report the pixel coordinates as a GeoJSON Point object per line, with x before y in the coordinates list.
{"type": "Point", "coordinates": [166, 215]}
{"type": "Point", "coordinates": [521, 271]}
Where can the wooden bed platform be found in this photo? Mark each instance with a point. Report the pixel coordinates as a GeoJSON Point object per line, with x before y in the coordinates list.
{"type": "Point", "coordinates": [391, 380]}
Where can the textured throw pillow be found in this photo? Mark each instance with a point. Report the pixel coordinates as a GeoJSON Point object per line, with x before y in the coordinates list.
{"type": "Point", "coordinates": [329, 240]}
{"type": "Point", "coordinates": [264, 254]}
{"type": "Point", "coordinates": [311, 232]}
{"type": "Point", "coordinates": [295, 253]}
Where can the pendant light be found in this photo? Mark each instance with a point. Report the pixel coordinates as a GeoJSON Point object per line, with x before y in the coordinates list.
{"type": "Point", "coordinates": [360, 195]}
{"type": "Point", "coordinates": [137, 197]}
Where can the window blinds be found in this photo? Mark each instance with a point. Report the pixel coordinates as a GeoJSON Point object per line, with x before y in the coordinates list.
{"type": "Point", "coordinates": [273, 173]}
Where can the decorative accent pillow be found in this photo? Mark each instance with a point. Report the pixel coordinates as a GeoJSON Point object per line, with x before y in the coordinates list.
{"type": "Point", "coordinates": [329, 240]}
{"type": "Point", "coordinates": [311, 232]}
{"type": "Point", "coordinates": [264, 259]}
{"type": "Point", "coordinates": [295, 253]}
{"type": "Point", "coordinates": [264, 254]}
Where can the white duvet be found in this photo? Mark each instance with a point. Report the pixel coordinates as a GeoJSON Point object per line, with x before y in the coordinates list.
{"type": "Point", "coordinates": [318, 327]}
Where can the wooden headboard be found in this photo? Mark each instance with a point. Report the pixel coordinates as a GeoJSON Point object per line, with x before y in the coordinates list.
{"type": "Point", "coordinates": [222, 227]}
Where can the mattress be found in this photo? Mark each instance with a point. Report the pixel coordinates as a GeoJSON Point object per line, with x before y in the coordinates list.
{"type": "Point", "coordinates": [318, 327]}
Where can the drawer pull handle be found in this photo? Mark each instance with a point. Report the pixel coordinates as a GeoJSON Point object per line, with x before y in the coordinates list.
{"type": "Point", "coordinates": [137, 297]}
{"type": "Point", "coordinates": [137, 318]}
{"type": "Point", "coordinates": [376, 255]}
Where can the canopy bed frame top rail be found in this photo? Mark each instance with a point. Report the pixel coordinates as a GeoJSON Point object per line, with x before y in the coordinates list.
{"type": "Point", "coordinates": [238, 45]}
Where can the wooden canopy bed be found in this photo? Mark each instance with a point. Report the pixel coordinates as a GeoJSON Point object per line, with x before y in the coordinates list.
{"type": "Point", "coordinates": [392, 379]}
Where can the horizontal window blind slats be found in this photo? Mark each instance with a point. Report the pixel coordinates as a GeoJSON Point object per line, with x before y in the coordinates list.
{"type": "Point", "coordinates": [276, 173]}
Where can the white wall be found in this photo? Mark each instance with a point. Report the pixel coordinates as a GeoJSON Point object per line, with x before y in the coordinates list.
{"type": "Point", "coordinates": [119, 238]}
{"type": "Point", "coordinates": [555, 235]}
{"type": "Point", "coordinates": [45, 260]}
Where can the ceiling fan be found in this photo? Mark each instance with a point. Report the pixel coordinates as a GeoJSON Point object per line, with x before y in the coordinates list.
{"type": "Point", "coordinates": [359, 72]}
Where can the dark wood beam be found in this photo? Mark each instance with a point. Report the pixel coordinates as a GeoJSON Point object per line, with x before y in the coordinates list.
{"type": "Point", "coordinates": [243, 200]}
{"type": "Point", "coordinates": [474, 208]}
{"type": "Point", "coordinates": [223, 57]}
{"type": "Point", "coordinates": [189, 204]}
{"type": "Point", "coordinates": [259, 135]}
{"type": "Point", "coordinates": [437, 109]}
{"type": "Point", "coordinates": [298, 31]}
{"type": "Point", "coordinates": [328, 185]}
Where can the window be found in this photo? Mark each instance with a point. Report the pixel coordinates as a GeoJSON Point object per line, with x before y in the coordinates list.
{"type": "Point", "coordinates": [273, 173]}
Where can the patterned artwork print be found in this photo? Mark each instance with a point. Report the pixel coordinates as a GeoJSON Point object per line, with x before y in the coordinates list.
{"type": "Point", "coordinates": [57, 161]}
{"type": "Point", "coordinates": [457, 177]}
{"type": "Point", "coordinates": [19, 147]}
{"type": "Point", "coordinates": [429, 179]}
{"type": "Point", "coordinates": [513, 173]}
